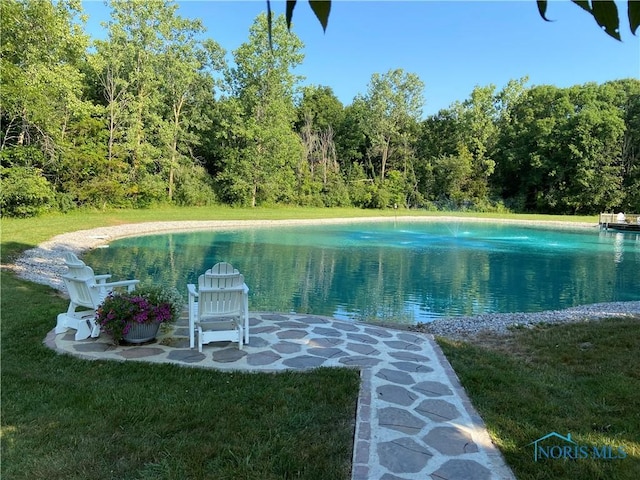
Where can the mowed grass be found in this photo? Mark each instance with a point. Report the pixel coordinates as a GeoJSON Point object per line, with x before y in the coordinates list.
{"type": "Point", "coordinates": [67, 418]}
{"type": "Point", "coordinates": [582, 379]}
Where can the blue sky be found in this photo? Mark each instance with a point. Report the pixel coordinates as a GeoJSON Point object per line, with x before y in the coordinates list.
{"type": "Point", "coordinates": [451, 45]}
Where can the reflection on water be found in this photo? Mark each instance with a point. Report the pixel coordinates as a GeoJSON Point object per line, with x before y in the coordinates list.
{"type": "Point", "coordinates": [618, 247]}
{"type": "Point", "coordinates": [399, 272]}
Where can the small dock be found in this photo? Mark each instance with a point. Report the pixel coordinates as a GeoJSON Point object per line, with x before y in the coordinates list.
{"type": "Point", "coordinates": [625, 222]}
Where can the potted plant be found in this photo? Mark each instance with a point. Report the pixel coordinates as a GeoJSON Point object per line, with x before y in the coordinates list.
{"type": "Point", "coordinates": [136, 316]}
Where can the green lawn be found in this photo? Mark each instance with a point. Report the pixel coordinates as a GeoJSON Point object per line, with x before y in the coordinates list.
{"type": "Point", "coordinates": [66, 418]}
{"type": "Point", "coordinates": [582, 379]}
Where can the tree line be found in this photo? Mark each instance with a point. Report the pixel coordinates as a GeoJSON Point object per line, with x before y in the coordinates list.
{"type": "Point", "coordinates": [155, 113]}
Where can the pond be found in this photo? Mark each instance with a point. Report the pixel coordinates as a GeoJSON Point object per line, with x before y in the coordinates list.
{"type": "Point", "coordinates": [402, 272]}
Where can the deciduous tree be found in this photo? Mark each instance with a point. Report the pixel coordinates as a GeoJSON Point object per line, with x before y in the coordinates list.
{"type": "Point", "coordinates": [42, 49]}
{"type": "Point", "coordinates": [267, 150]}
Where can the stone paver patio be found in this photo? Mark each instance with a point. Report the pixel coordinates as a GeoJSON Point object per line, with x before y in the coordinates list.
{"type": "Point", "coordinates": [414, 420]}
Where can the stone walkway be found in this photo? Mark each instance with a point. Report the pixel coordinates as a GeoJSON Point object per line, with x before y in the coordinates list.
{"type": "Point", "coordinates": [414, 420]}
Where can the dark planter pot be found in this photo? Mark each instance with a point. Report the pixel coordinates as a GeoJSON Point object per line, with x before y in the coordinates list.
{"type": "Point", "coordinates": [141, 332]}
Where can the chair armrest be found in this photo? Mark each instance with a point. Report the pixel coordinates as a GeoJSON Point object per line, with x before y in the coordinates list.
{"type": "Point", "coordinates": [102, 278]}
{"type": "Point", "coordinates": [130, 284]}
{"type": "Point", "coordinates": [192, 306]}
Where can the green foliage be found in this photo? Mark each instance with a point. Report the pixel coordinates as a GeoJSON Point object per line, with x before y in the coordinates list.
{"type": "Point", "coordinates": [335, 192]}
{"type": "Point", "coordinates": [360, 187]}
{"type": "Point", "coordinates": [396, 185]}
{"type": "Point", "coordinates": [626, 96]}
{"type": "Point", "coordinates": [393, 107]}
{"type": "Point", "coordinates": [82, 166]}
{"type": "Point", "coordinates": [462, 140]}
{"type": "Point", "coordinates": [262, 150]}
{"type": "Point", "coordinates": [321, 106]}
{"type": "Point", "coordinates": [147, 191]}
{"type": "Point", "coordinates": [194, 186]}
{"type": "Point", "coordinates": [604, 12]}
{"type": "Point", "coordinates": [41, 50]}
{"type": "Point", "coordinates": [156, 78]}
{"type": "Point", "coordinates": [320, 8]}
{"type": "Point", "coordinates": [450, 176]}
{"type": "Point", "coordinates": [318, 115]}
{"type": "Point", "coordinates": [562, 149]}
{"type": "Point", "coordinates": [65, 202]}
{"type": "Point", "coordinates": [25, 192]}
{"type": "Point", "coordinates": [22, 156]}
{"type": "Point", "coordinates": [153, 114]}
{"type": "Point", "coordinates": [351, 140]}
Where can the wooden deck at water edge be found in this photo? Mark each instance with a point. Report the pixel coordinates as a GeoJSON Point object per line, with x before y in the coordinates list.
{"type": "Point", "coordinates": [629, 222]}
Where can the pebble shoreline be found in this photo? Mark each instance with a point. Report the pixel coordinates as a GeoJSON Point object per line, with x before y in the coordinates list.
{"type": "Point", "coordinates": [44, 265]}
{"type": "Point", "coordinates": [501, 323]}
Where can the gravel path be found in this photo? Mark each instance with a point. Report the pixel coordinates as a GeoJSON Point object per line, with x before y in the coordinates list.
{"type": "Point", "coordinates": [44, 264]}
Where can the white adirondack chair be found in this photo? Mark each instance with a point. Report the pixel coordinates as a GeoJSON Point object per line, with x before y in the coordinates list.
{"type": "Point", "coordinates": [86, 292]}
{"type": "Point", "coordinates": [224, 275]}
{"type": "Point", "coordinates": [219, 307]}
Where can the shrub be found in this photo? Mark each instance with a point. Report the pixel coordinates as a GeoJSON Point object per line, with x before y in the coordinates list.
{"type": "Point", "coordinates": [194, 187]}
{"type": "Point", "coordinates": [25, 192]}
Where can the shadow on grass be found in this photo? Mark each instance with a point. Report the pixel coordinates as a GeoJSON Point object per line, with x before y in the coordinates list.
{"type": "Point", "coordinates": [12, 250]}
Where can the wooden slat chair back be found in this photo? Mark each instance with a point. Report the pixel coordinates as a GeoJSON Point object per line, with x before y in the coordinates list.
{"type": "Point", "coordinates": [219, 302]}
{"type": "Point", "coordinates": [221, 275]}
{"type": "Point", "coordinates": [81, 295]}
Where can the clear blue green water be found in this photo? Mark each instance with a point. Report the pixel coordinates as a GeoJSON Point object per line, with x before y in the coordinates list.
{"type": "Point", "coordinates": [393, 271]}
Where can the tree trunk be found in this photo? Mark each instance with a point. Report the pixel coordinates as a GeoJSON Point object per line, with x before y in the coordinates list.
{"type": "Point", "coordinates": [177, 109]}
{"type": "Point", "coordinates": [254, 193]}
{"type": "Point", "coordinates": [385, 156]}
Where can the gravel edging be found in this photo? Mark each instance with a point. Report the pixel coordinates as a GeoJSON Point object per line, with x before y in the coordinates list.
{"type": "Point", "coordinates": [462, 328]}
{"type": "Point", "coordinates": [44, 265]}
